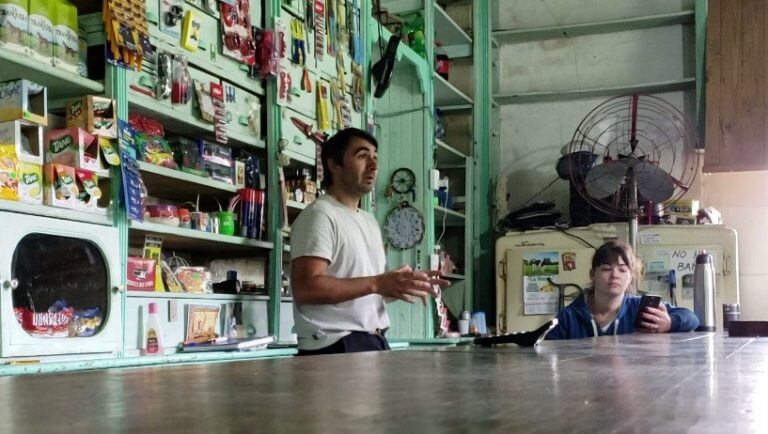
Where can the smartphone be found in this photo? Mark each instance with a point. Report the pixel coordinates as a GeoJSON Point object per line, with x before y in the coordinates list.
{"type": "Point", "coordinates": [646, 301]}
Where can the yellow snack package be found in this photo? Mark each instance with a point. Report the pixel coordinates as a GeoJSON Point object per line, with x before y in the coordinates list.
{"type": "Point", "coordinates": [9, 176]}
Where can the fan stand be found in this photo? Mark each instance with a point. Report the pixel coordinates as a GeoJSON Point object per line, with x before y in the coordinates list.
{"type": "Point", "coordinates": [633, 209]}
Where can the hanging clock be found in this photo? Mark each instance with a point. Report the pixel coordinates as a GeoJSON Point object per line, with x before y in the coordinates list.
{"type": "Point", "coordinates": [404, 226]}
{"type": "Point", "coordinates": [403, 180]}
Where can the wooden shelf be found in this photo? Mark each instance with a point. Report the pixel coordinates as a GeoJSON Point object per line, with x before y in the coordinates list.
{"type": "Point", "coordinates": [181, 123]}
{"type": "Point", "coordinates": [657, 87]}
{"type": "Point", "coordinates": [60, 83]}
{"type": "Point", "coordinates": [191, 295]}
{"type": "Point", "coordinates": [194, 240]}
{"type": "Point", "coordinates": [447, 95]}
{"type": "Point", "coordinates": [611, 26]}
{"type": "Point", "coordinates": [56, 213]}
{"type": "Point", "coordinates": [180, 186]}
{"type": "Point", "coordinates": [448, 156]}
{"type": "Point", "coordinates": [451, 217]}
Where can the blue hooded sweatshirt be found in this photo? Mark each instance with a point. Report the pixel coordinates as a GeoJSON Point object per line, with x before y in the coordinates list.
{"type": "Point", "coordinates": [575, 321]}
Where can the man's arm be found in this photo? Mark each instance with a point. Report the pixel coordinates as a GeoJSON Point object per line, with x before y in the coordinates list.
{"type": "Point", "coordinates": [312, 286]}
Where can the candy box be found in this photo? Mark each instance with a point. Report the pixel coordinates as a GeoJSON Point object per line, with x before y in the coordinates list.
{"type": "Point", "coordinates": [94, 114]}
{"type": "Point", "coordinates": [23, 100]}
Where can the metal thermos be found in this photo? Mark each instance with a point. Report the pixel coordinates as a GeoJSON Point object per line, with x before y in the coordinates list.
{"type": "Point", "coordinates": [704, 292]}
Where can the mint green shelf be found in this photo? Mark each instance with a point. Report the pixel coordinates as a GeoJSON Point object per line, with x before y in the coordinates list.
{"type": "Point", "coordinates": [172, 184]}
{"type": "Point", "coordinates": [143, 361]}
{"type": "Point", "coordinates": [655, 87]}
{"type": "Point", "coordinates": [180, 122]}
{"type": "Point", "coordinates": [195, 296]}
{"type": "Point", "coordinates": [57, 213]}
{"type": "Point", "coordinates": [448, 95]}
{"type": "Point", "coordinates": [194, 240]}
{"type": "Point", "coordinates": [60, 83]}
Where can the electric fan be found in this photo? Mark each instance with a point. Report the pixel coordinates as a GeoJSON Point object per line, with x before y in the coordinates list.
{"type": "Point", "coordinates": [644, 150]}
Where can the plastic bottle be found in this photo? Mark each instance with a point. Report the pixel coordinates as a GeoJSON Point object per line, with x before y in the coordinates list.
{"type": "Point", "coordinates": [153, 337]}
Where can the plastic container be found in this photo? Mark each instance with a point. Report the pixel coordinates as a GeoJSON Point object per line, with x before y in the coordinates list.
{"type": "Point", "coordinates": [153, 335]}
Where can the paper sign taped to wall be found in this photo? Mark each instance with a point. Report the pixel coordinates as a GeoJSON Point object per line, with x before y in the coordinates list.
{"type": "Point", "coordinates": [540, 296]}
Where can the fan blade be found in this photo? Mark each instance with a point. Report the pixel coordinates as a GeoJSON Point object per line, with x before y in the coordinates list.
{"type": "Point", "coordinates": [605, 179]}
{"type": "Point", "coordinates": [653, 183]}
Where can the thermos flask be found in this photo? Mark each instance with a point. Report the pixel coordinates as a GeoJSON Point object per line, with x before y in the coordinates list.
{"type": "Point", "coordinates": [704, 292]}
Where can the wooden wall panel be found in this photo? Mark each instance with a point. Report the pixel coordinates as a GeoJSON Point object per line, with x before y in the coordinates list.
{"type": "Point", "coordinates": [737, 118]}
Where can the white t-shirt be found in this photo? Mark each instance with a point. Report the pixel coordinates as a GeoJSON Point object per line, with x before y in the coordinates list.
{"type": "Point", "coordinates": [351, 241]}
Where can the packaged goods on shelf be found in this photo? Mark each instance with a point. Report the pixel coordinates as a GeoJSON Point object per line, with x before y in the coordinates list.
{"type": "Point", "coordinates": [14, 25]}
{"type": "Point", "coordinates": [65, 41]}
{"type": "Point", "coordinates": [94, 114]}
{"type": "Point", "coordinates": [41, 30]}
{"type": "Point", "coordinates": [26, 138]}
{"type": "Point", "coordinates": [73, 147]}
{"type": "Point", "coordinates": [23, 100]}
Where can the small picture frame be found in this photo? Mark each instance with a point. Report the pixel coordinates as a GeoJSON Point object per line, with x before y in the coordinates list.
{"type": "Point", "coordinates": [202, 323]}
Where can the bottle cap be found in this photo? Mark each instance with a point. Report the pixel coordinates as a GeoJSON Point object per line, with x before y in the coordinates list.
{"type": "Point", "coordinates": [704, 258]}
{"type": "Point", "coordinates": [153, 307]}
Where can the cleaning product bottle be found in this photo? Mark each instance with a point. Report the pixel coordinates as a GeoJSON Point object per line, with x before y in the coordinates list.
{"type": "Point", "coordinates": [153, 337]}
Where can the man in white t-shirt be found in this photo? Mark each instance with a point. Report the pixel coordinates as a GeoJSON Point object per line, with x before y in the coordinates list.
{"type": "Point", "coordinates": [338, 273]}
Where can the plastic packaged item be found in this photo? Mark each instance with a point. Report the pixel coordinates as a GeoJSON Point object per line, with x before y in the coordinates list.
{"type": "Point", "coordinates": [65, 41]}
{"type": "Point", "coordinates": [41, 30]}
{"type": "Point", "coordinates": [162, 214]}
{"type": "Point", "coordinates": [153, 335]}
{"type": "Point", "coordinates": [195, 279]}
{"type": "Point", "coordinates": [14, 25]}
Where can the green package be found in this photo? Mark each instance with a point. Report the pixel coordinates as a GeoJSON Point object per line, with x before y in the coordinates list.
{"type": "Point", "coordinates": [65, 40]}
{"type": "Point", "coordinates": [14, 25]}
{"type": "Point", "coordinates": [41, 29]}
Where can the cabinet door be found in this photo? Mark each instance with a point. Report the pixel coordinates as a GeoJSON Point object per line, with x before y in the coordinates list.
{"type": "Point", "coordinates": [60, 284]}
{"type": "Point", "coordinates": [737, 83]}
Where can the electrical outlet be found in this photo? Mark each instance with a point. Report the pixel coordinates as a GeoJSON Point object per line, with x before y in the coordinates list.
{"type": "Point", "coordinates": [173, 314]}
{"type": "Point", "coordinates": [434, 179]}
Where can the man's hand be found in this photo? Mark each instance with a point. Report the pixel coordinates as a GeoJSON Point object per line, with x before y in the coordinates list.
{"type": "Point", "coordinates": [409, 285]}
{"type": "Point", "coordinates": [655, 320]}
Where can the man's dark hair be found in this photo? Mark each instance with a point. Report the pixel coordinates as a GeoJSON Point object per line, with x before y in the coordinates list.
{"type": "Point", "coordinates": [335, 147]}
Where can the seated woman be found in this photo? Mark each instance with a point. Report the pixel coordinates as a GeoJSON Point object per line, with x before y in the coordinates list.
{"type": "Point", "coordinates": [606, 308]}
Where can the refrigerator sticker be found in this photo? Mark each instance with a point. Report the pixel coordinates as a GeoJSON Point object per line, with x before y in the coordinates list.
{"type": "Point", "coordinates": [683, 261]}
{"type": "Point", "coordinates": [540, 296]}
{"type": "Point", "coordinates": [652, 238]}
{"type": "Point", "coordinates": [569, 261]}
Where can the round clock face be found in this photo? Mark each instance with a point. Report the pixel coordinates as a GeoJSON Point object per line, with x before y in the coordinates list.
{"type": "Point", "coordinates": [404, 227]}
{"type": "Point", "coordinates": [403, 180]}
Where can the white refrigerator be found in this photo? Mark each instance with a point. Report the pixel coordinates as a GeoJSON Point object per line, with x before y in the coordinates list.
{"type": "Point", "coordinates": [526, 263]}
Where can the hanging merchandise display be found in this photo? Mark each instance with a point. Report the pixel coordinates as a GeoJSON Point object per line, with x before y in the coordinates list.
{"type": "Point", "coordinates": [171, 15]}
{"type": "Point", "coordinates": [190, 31]}
{"type": "Point", "coordinates": [221, 115]}
{"type": "Point", "coordinates": [356, 43]}
{"type": "Point", "coordinates": [125, 23]}
{"type": "Point", "coordinates": [358, 94]}
{"type": "Point", "coordinates": [283, 86]}
{"type": "Point", "coordinates": [341, 111]}
{"type": "Point", "coordinates": [181, 88]}
{"type": "Point", "coordinates": [319, 14]}
{"type": "Point", "coordinates": [268, 53]}
{"type": "Point", "coordinates": [298, 51]}
{"type": "Point", "coordinates": [341, 26]}
{"type": "Point", "coordinates": [237, 38]}
{"type": "Point", "coordinates": [331, 27]}
{"type": "Point", "coordinates": [323, 117]}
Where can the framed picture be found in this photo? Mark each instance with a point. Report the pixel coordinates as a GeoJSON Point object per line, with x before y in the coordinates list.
{"type": "Point", "coordinates": [202, 322]}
